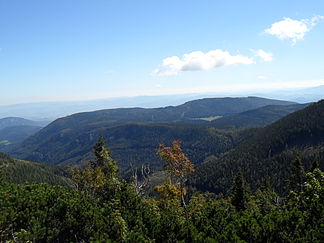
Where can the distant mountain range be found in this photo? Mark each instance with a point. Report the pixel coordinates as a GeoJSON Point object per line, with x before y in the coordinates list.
{"type": "Point", "coordinates": [50, 111]}
{"type": "Point", "coordinates": [134, 133]}
{"type": "Point", "coordinates": [15, 129]}
{"type": "Point", "coordinates": [219, 147]}
{"type": "Point", "coordinates": [53, 110]}
{"type": "Point", "coordinates": [301, 95]}
{"type": "Point", "coordinates": [18, 121]}
{"type": "Point", "coordinates": [16, 134]}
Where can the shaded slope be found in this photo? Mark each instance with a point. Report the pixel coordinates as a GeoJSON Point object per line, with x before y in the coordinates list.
{"type": "Point", "coordinates": [67, 140]}
{"type": "Point", "coordinates": [256, 118]}
{"type": "Point", "coordinates": [193, 109]}
{"type": "Point", "coordinates": [225, 106]}
{"type": "Point", "coordinates": [16, 121]}
{"type": "Point", "coordinates": [15, 134]}
{"type": "Point", "coordinates": [132, 144]}
{"type": "Point", "coordinates": [269, 153]}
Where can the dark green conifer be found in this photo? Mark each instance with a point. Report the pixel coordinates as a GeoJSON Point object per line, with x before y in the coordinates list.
{"type": "Point", "coordinates": [103, 158]}
{"type": "Point", "coordinates": [315, 165]}
{"type": "Point", "coordinates": [297, 175]}
{"type": "Point", "coordinates": [240, 192]}
{"type": "Point", "coordinates": [101, 152]}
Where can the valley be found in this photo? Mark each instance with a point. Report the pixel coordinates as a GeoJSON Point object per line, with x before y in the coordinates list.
{"type": "Point", "coordinates": [161, 121]}
{"type": "Point", "coordinates": [256, 137]}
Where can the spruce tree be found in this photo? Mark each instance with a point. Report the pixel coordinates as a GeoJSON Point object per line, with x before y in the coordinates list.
{"type": "Point", "coordinates": [103, 158]}
{"type": "Point", "coordinates": [297, 175]}
{"type": "Point", "coordinates": [240, 192]}
{"type": "Point", "coordinates": [315, 165]}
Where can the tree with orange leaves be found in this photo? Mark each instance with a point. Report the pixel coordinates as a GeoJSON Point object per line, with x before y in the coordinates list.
{"type": "Point", "coordinates": [177, 164]}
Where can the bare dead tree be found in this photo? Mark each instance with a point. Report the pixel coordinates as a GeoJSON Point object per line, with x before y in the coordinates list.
{"type": "Point", "coordinates": [140, 184]}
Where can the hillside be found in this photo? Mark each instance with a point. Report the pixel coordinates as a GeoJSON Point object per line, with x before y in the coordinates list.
{"type": "Point", "coordinates": [269, 152]}
{"type": "Point", "coordinates": [68, 139]}
{"type": "Point", "coordinates": [17, 129]}
{"type": "Point", "coordinates": [193, 109]}
{"type": "Point", "coordinates": [17, 121]}
{"type": "Point", "coordinates": [15, 134]}
{"type": "Point", "coordinates": [22, 171]}
{"type": "Point", "coordinates": [54, 110]}
{"type": "Point", "coordinates": [224, 106]}
{"type": "Point", "coordinates": [132, 144]}
{"type": "Point", "coordinates": [257, 117]}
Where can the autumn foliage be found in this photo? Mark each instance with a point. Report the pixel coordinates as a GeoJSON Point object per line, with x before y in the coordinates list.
{"type": "Point", "coordinates": [179, 166]}
{"type": "Point", "coordinates": [177, 163]}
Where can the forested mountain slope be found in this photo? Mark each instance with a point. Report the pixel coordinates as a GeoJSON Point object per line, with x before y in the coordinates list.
{"type": "Point", "coordinates": [193, 109]}
{"type": "Point", "coordinates": [16, 121]}
{"type": "Point", "coordinates": [132, 144]}
{"type": "Point", "coordinates": [15, 134]}
{"type": "Point", "coordinates": [269, 152]}
{"type": "Point", "coordinates": [68, 139]}
{"type": "Point", "coordinates": [22, 171]}
{"type": "Point", "coordinates": [257, 117]}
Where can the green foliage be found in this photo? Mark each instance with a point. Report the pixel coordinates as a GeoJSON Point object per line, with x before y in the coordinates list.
{"type": "Point", "coordinates": [16, 121]}
{"type": "Point", "coordinates": [240, 192]}
{"type": "Point", "coordinates": [104, 208]}
{"type": "Point", "coordinates": [168, 190]}
{"type": "Point", "coordinates": [297, 175]}
{"type": "Point", "coordinates": [44, 213]}
{"type": "Point", "coordinates": [99, 178]}
{"type": "Point", "coordinates": [314, 165]}
{"type": "Point", "coordinates": [103, 159]}
{"type": "Point", "coordinates": [16, 134]}
{"type": "Point", "coordinates": [256, 118]}
{"type": "Point", "coordinates": [268, 153]}
{"type": "Point", "coordinates": [265, 198]}
{"type": "Point", "coordinates": [22, 171]}
{"type": "Point", "coordinates": [68, 140]}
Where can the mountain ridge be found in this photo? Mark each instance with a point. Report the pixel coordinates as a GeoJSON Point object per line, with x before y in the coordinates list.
{"type": "Point", "coordinates": [269, 152]}
{"type": "Point", "coordinates": [64, 133]}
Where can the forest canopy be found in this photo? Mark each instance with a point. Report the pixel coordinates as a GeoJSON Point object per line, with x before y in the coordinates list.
{"type": "Point", "coordinates": [100, 206]}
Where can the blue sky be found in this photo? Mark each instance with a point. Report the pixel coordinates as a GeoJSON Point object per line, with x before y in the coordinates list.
{"type": "Point", "coordinates": [75, 49]}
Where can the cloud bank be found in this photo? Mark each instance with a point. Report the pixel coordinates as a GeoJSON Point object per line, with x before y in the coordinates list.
{"type": "Point", "coordinates": [198, 60]}
{"type": "Point", "coordinates": [291, 29]}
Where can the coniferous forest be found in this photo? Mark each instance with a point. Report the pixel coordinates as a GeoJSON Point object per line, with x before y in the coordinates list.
{"type": "Point", "coordinates": [268, 186]}
{"type": "Point", "coordinates": [161, 121]}
{"type": "Point", "coordinates": [99, 206]}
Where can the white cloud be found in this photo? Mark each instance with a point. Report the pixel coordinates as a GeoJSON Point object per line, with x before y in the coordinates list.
{"type": "Point", "coordinates": [160, 72]}
{"type": "Point", "coordinates": [266, 56]}
{"type": "Point", "coordinates": [198, 60]}
{"type": "Point", "coordinates": [293, 29]}
{"type": "Point", "coordinates": [261, 77]}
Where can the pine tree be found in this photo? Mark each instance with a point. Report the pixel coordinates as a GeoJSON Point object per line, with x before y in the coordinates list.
{"type": "Point", "coordinates": [100, 176]}
{"type": "Point", "coordinates": [103, 159]}
{"type": "Point", "coordinates": [240, 192]}
{"type": "Point", "coordinates": [297, 175]}
{"type": "Point", "coordinates": [315, 165]}
{"type": "Point", "coordinates": [265, 197]}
